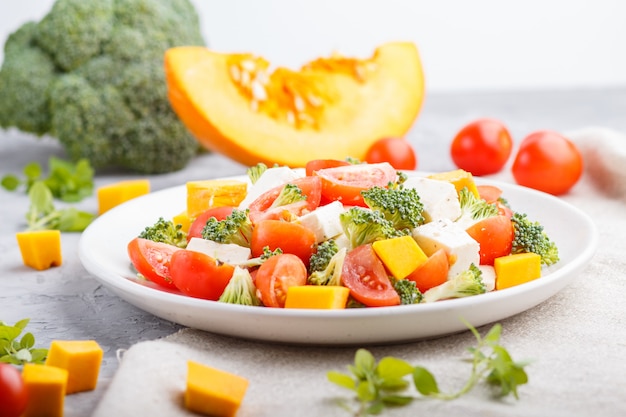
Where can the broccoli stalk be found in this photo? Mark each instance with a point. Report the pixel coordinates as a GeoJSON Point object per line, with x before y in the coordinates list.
{"type": "Point", "coordinates": [165, 231]}
{"type": "Point", "coordinates": [408, 291]}
{"type": "Point", "coordinates": [331, 274]}
{"type": "Point", "coordinates": [399, 205]}
{"type": "Point", "coordinates": [363, 226]}
{"type": "Point", "coordinates": [240, 289]}
{"type": "Point", "coordinates": [530, 236]}
{"type": "Point", "coordinates": [290, 193]}
{"type": "Point", "coordinates": [255, 172]}
{"type": "Point", "coordinates": [235, 228]}
{"type": "Point", "coordinates": [474, 209]}
{"type": "Point", "coordinates": [465, 284]}
{"type": "Point", "coordinates": [90, 73]}
{"type": "Point", "coordinates": [258, 261]}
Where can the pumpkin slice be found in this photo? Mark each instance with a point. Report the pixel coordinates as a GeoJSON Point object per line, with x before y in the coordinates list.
{"type": "Point", "coordinates": [331, 108]}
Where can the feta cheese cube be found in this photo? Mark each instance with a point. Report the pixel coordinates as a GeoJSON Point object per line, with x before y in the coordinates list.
{"type": "Point", "coordinates": [229, 253]}
{"type": "Point", "coordinates": [324, 221]}
{"type": "Point", "coordinates": [440, 198]}
{"type": "Point", "coordinates": [462, 249]}
{"type": "Point", "coordinates": [272, 177]}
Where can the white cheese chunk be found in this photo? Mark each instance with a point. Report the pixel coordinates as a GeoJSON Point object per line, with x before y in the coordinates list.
{"type": "Point", "coordinates": [489, 277]}
{"type": "Point", "coordinates": [272, 177]}
{"type": "Point", "coordinates": [439, 198]}
{"type": "Point", "coordinates": [229, 253]}
{"type": "Point", "coordinates": [462, 249]}
{"type": "Point", "coordinates": [324, 221]}
{"type": "Point", "coordinates": [342, 241]}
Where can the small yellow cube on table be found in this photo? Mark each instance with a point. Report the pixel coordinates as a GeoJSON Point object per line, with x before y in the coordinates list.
{"type": "Point", "coordinates": [212, 391]}
{"type": "Point", "coordinates": [80, 358]}
{"type": "Point", "coordinates": [46, 388]}
{"type": "Point", "coordinates": [117, 193]}
{"type": "Point", "coordinates": [41, 249]}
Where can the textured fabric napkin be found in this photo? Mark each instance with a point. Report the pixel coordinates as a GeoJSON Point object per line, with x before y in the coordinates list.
{"type": "Point", "coordinates": [576, 339]}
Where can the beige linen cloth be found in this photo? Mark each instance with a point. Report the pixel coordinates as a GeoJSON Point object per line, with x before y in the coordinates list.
{"type": "Point", "coordinates": [576, 340]}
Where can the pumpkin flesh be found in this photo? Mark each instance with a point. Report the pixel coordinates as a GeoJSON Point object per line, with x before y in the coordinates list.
{"type": "Point", "coordinates": [331, 108]}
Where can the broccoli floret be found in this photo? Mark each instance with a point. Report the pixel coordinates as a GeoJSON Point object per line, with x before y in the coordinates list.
{"type": "Point", "coordinates": [235, 228]}
{"type": "Point", "coordinates": [363, 226]}
{"type": "Point", "coordinates": [530, 236]}
{"type": "Point", "coordinates": [465, 284]}
{"type": "Point", "coordinates": [240, 289]}
{"type": "Point", "coordinates": [255, 172]}
{"type": "Point", "coordinates": [91, 74]}
{"type": "Point", "coordinates": [400, 206]}
{"type": "Point", "coordinates": [165, 231]}
{"type": "Point", "coordinates": [408, 291]}
{"type": "Point", "coordinates": [290, 193]}
{"type": "Point", "coordinates": [323, 253]}
{"type": "Point", "coordinates": [331, 274]}
{"type": "Point", "coordinates": [267, 253]}
{"type": "Point", "coordinates": [474, 209]}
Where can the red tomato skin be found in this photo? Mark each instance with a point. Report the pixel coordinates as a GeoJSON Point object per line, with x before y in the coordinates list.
{"type": "Point", "coordinates": [397, 151]}
{"type": "Point", "coordinates": [492, 194]}
{"type": "Point", "coordinates": [220, 213]}
{"type": "Point", "coordinates": [317, 164]}
{"type": "Point", "coordinates": [198, 275]}
{"type": "Point", "coordinates": [364, 274]}
{"type": "Point", "coordinates": [433, 272]}
{"type": "Point", "coordinates": [276, 275]}
{"type": "Point", "coordinates": [260, 208]}
{"type": "Point", "coordinates": [482, 147]}
{"type": "Point", "coordinates": [152, 260]}
{"type": "Point", "coordinates": [495, 236]}
{"type": "Point", "coordinates": [548, 162]}
{"type": "Point", "coordinates": [292, 238]}
{"type": "Point", "coordinates": [345, 183]}
{"type": "Point", "coordinates": [13, 392]}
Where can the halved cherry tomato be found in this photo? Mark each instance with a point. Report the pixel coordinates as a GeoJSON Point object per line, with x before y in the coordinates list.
{"type": "Point", "coordinates": [198, 275]}
{"type": "Point", "coordinates": [13, 392]}
{"type": "Point", "coordinates": [345, 183]}
{"type": "Point", "coordinates": [290, 237]}
{"type": "Point", "coordinates": [482, 147]}
{"type": "Point", "coordinates": [365, 275]}
{"type": "Point", "coordinates": [548, 162]}
{"type": "Point", "coordinates": [317, 164]}
{"type": "Point", "coordinates": [397, 151]}
{"type": "Point", "coordinates": [152, 260]}
{"type": "Point", "coordinates": [494, 235]}
{"type": "Point", "coordinates": [276, 275]}
{"type": "Point", "coordinates": [433, 272]}
{"type": "Point", "coordinates": [261, 208]}
{"type": "Point", "coordinates": [220, 213]}
{"type": "Point", "coordinates": [492, 194]}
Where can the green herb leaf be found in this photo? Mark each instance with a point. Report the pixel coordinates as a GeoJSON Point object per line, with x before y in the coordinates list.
{"type": "Point", "coordinates": [20, 351]}
{"type": "Point", "coordinates": [425, 381]}
{"type": "Point", "coordinates": [340, 379]}
{"type": "Point", "coordinates": [10, 182]}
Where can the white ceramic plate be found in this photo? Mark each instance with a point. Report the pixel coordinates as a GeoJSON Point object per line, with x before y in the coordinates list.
{"type": "Point", "coordinates": [102, 251]}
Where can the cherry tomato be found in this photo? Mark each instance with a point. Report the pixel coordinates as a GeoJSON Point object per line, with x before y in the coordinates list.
{"type": "Point", "coordinates": [261, 208]}
{"type": "Point", "coordinates": [290, 237]}
{"type": "Point", "coordinates": [152, 260]}
{"type": "Point", "coordinates": [365, 275]}
{"type": "Point", "coordinates": [397, 151]}
{"type": "Point", "coordinates": [492, 194]}
{"type": "Point", "coordinates": [276, 275]}
{"type": "Point", "coordinates": [482, 147]}
{"type": "Point", "coordinates": [433, 272]}
{"type": "Point", "coordinates": [198, 275]}
{"type": "Point", "coordinates": [495, 237]}
{"type": "Point", "coordinates": [13, 393]}
{"type": "Point", "coordinates": [345, 183]}
{"type": "Point", "coordinates": [549, 162]}
{"type": "Point", "coordinates": [220, 213]}
{"type": "Point", "coordinates": [317, 164]}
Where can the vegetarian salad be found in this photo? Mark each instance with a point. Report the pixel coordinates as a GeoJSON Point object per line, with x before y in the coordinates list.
{"type": "Point", "coordinates": [342, 234]}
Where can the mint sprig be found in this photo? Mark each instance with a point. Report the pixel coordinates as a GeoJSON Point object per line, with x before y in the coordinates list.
{"type": "Point", "coordinates": [384, 384]}
{"type": "Point", "coordinates": [19, 351]}
{"type": "Point", "coordinates": [42, 214]}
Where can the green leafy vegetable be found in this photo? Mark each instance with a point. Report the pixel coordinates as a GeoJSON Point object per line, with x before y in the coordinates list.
{"type": "Point", "coordinates": [384, 384]}
{"type": "Point", "coordinates": [19, 351]}
{"type": "Point", "coordinates": [43, 215]}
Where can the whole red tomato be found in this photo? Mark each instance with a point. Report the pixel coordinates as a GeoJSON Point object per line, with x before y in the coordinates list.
{"type": "Point", "coordinates": [549, 162]}
{"type": "Point", "coordinates": [482, 147]}
{"type": "Point", "coordinates": [397, 151]}
{"type": "Point", "coordinates": [13, 395]}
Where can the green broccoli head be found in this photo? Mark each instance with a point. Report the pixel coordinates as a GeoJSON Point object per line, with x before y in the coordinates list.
{"type": "Point", "coordinates": [290, 193]}
{"type": "Point", "coordinates": [323, 254]}
{"type": "Point", "coordinates": [91, 74]}
{"type": "Point", "coordinates": [530, 236]}
{"type": "Point", "coordinates": [465, 284]}
{"type": "Point", "coordinates": [255, 172]}
{"type": "Point", "coordinates": [331, 273]}
{"type": "Point", "coordinates": [474, 209]}
{"type": "Point", "coordinates": [363, 226]}
{"type": "Point", "coordinates": [235, 228]}
{"type": "Point", "coordinates": [408, 291]}
{"type": "Point", "coordinates": [401, 206]}
{"type": "Point", "coordinates": [240, 289]}
{"type": "Point", "coordinates": [165, 231]}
